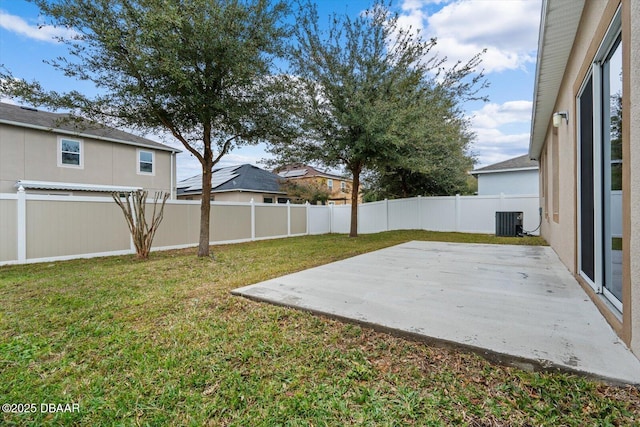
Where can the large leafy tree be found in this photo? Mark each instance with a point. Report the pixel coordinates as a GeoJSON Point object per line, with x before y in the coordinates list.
{"type": "Point", "coordinates": [362, 89]}
{"type": "Point", "coordinates": [198, 69]}
{"type": "Point", "coordinates": [437, 161]}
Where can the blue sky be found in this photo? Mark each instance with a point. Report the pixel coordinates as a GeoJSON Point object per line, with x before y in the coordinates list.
{"type": "Point", "coordinates": [508, 29]}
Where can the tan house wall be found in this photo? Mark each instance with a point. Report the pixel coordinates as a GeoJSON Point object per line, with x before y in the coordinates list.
{"type": "Point", "coordinates": [235, 196]}
{"type": "Point", "coordinates": [337, 196]}
{"type": "Point", "coordinates": [559, 169]}
{"type": "Point", "coordinates": [31, 154]}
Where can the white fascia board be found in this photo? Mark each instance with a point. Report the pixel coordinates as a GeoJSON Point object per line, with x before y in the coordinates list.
{"type": "Point", "coordinates": [532, 168]}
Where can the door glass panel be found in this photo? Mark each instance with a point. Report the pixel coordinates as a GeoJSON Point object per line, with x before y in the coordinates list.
{"type": "Point", "coordinates": [612, 174]}
{"type": "Point", "coordinates": [587, 229]}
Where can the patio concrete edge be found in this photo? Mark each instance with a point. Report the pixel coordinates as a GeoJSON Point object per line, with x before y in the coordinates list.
{"type": "Point", "coordinates": [526, 364]}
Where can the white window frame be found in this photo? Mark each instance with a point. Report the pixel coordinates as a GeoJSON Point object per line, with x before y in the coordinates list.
{"type": "Point", "coordinates": [330, 184]}
{"type": "Point", "coordinates": [138, 161]}
{"type": "Point", "coordinates": [81, 153]}
{"type": "Point", "coordinates": [343, 186]}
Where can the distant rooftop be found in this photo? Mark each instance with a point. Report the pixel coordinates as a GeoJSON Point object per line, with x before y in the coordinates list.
{"type": "Point", "coordinates": [517, 163]}
{"type": "Point", "coordinates": [246, 178]}
{"type": "Point", "coordinates": [68, 124]}
{"type": "Point", "coordinates": [300, 170]}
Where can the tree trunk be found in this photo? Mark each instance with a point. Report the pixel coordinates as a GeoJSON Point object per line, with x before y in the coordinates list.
{"type": "Point", "coordinates": [205, 205]}
{"type": "Point", "coordinates": [353, 232]}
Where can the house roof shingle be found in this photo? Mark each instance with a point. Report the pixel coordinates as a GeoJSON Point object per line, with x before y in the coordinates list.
{"type": "Point", "coordinates": [516, 163]}
{"type": "Point", "coordinates": [67, 124]}
{"type": "Point", "coordinates": [299, 170]}
{"type": "Point", "coordinates": [245, 177]}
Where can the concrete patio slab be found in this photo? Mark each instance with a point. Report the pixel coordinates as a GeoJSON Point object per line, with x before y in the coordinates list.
{"type": "Point", "coordinates": [517, 304]}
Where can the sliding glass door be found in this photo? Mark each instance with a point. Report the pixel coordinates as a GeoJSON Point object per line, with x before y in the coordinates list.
{"type": "Point", "coordinates": [600, 188]}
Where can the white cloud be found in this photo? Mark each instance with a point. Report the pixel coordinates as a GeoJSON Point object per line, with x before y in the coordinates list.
{"type": "Point", "coordinates": [493, 144]}
{"type": "Point", "coordinates": [508, 29]}
{"type": "Point", "coordinates": [47, 33]}
{"type": "Point", "coordinates": [495, 115]}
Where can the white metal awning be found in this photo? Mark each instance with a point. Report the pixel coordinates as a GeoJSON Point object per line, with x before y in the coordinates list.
{"type": "Point", "coordinates": [71, 186]}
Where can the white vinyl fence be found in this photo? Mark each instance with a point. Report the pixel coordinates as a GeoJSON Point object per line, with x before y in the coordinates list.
{"type": "Point", "coordinates": [37, 228]}
{"type": "Point", "coordinates": [466, 214]}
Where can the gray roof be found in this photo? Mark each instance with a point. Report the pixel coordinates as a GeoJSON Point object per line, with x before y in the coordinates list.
{"type": "Point", "coordinates": [246, 178]}
{"type": "Point", "coordinates": [68, 124]}
{"type": "Point", "coordinates": [517, 163]}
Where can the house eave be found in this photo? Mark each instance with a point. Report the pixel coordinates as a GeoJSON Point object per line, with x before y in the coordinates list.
{"type": "Point", "coordinates": [558, 27]}
{"type": "Point", "coordinates": [480, 172]}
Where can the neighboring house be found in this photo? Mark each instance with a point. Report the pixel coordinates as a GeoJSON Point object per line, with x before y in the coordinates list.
{"type": "Point", "coordinates": [585, 132]}
{"type": "Point", "coordinates": [236, 184]}
{"type": "Point", "coordinates": [339, 187]}
{"type": "Point", "coordinates": [48, 153]}
{"type": "Point", "coordinates": [514, 176]}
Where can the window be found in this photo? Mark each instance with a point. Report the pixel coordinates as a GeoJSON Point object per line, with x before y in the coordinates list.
{"type": "Point", "coordinates": [330, 184]}
{"type": "Point", "coordinates": [267, 200]}
{"type": "Point", "coordinates": [343, 186]}
{"type": "Point", "coordinates": [145, 162]}
{"type": "Point", "coordinates": [70, 153]}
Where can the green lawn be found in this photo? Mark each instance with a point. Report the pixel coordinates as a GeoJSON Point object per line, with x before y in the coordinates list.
{"type": "Point", "coordinates": [163, 342]}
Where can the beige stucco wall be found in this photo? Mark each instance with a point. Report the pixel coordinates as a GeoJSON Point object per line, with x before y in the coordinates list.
{"type": "Point", "coordinates": [59, 228]}
{"type": "Point", "coordinates": [244, 197]}
{"type": "Point", "coordinates": [597, 15]}
{"type": "Point", "coordinates": [634, 169]}
{"type": "Point", "coordinates": [561, 235]}
{"type": "Point", "coordinates": [33, 155]}
{"type": "Point", "coordinates": [236, 196]}
{"type": "Point", "coordinates": [8, 230]}
{"type": "Point", "coordinates": [338, 196]}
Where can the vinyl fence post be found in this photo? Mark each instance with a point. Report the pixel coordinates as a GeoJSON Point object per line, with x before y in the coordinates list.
{"type": "Point", "coordinates": [306, 204]}
{"type": "Point", "coordinates": [330, 219]}
{"type": "Point", "coordinates": [22, 225]}
{"type": "Point", "coordinates": [386, 214]}
{"type": "Point", "coordinates": [253, 220]}
{"type": "Point", "coordinates": [458, 212]}
{"type": "Point", "coordinates": [419, 213]}
{"type": "Point", "coordinates": [288, 218]}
